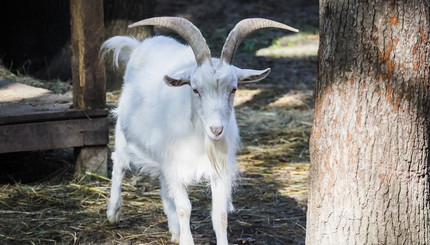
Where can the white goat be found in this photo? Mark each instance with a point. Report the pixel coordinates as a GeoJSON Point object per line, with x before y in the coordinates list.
{"type": "Point", "coordinates": [180, 134]}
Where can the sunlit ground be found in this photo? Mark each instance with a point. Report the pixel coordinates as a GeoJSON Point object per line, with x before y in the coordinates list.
{"type": "Point", "coordinates": [298, 45]}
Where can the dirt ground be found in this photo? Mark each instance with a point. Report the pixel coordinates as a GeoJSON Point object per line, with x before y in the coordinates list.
{"type": "Point", "coordinates": [41, 202]}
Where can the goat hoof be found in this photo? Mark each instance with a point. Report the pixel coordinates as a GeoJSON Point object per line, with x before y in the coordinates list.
{"type": "Point", "coordinates": [175, 238]}
{"type": "Point", "coordinates": [113, 216]}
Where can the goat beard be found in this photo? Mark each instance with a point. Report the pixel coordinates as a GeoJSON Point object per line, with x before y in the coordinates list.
{"type": "Point", "coordinates": [217, 152]}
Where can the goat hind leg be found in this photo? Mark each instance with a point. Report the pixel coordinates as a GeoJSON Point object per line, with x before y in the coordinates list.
{"type": "Point", "coordinates": [118, 172]}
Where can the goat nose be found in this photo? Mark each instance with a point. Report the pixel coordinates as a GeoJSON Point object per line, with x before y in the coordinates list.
{"type": "Point", "coordinates": [217, 130]}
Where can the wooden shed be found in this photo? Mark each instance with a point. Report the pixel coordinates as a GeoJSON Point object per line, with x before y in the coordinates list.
{"type": "Point", "coordinates": [37, 119]}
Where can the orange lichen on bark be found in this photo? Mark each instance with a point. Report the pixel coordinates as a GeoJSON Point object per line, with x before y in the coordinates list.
{"type": "Point", "coordinates": [393, 20]}
{"type": "Point", "coordinates": [345, 97]}
{"type": "Point", "coordinates": [423, 35]}
{"type": "Point", "coordinates": [415, 65]}
{"type": "Point", "coordinates": [390, 94]}
{"type": "Point", "coordinates": [388, 51]}
{"type": "Point", "coordinates": [359, 117]}
{"type": "Point", "coordinates": [390, 69]}
{"type": "Point", "coordinates": [396, 41]}
{"type": "Point", "coordinates": [381, 56]}
{"type": "Point", "coordinates": [397, 105]}
{"type": "Point", "coordinates": [327, 166]}
{"type": "Point", "coordinates": [348, 139]}
{"type": "Point", "coordinates": [414, 49]}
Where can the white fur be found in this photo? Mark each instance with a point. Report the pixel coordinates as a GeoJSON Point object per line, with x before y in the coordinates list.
{"type": "Point", "coordinates": [169, 131]}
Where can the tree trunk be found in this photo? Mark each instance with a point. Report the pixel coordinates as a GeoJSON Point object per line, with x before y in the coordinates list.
{"type": "Point", "coordinates": [369, 175]}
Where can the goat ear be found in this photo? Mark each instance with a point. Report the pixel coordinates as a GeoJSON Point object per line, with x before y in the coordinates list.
{"type": "Point", "coordinates": [251, 76]}
{"type": "Point", "coordinates": [176, 82]}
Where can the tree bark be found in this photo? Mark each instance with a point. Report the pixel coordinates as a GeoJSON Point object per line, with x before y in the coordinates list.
{"type": "Point", "coordinates": [369, 174]}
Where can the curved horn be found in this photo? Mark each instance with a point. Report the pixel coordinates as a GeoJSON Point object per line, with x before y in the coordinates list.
{"type": "Point", "coordinates": [242, 30]}
{"type": "Point", "coordinates": [186, 30]}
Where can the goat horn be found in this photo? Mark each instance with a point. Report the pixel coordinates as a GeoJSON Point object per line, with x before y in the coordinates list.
{"type": "Point", "coordinates": [242, 30]}
{"type": "Point", "coordinates": [186, 30]}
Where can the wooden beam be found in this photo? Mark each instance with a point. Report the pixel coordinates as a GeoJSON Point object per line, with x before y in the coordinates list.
{"type": "Point", "coordinates": [52, 116]}
{"type": "Point", "coordinates": [20, 103]}
{"type": "Point", "coordinates": [52, 135]}
{"type": "Point", "coordinates": [88, 73]}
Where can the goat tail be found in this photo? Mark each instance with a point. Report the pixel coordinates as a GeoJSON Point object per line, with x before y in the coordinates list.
{"type": "Point", "coordinates": [121, 46]}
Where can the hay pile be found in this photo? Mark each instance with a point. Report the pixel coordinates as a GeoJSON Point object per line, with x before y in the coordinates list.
{"type": "Point", "coordinates": [74, 212]}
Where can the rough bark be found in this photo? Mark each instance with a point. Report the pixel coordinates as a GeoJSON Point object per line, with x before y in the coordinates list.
{"type": "Point", "coordinates": [369, 175]}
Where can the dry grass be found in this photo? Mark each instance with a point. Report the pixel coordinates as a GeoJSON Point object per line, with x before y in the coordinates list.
{"type": "Point", "coordinates": [74, 212]}
{"type": "Point", "coordinates": [270, 198]}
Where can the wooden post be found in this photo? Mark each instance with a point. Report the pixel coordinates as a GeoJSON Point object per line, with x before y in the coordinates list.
{"type": "Point", "coordinates": [89, 86]}
{"type": "Point", "coordinates": [88, 74]}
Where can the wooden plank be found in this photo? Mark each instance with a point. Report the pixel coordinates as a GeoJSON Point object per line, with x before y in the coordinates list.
{"type": "Point", "coordinates": [88, 73]}
{"type": "Point", "coordinates": [20, 103]}
{"type": "Point", "coordinates": [51, 135]}
{"type": "Point", "coordinates": [41, 116]}
{"type": "Point", "coordinates": [20, 99]}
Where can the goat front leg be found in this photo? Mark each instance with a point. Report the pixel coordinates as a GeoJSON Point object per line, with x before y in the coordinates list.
{"type": "Point", "coordinates": [170, 211]}
{"type": "Point", "coordinates": [221, 204]}
{"type": "Point", "coordinates": [179, 195]}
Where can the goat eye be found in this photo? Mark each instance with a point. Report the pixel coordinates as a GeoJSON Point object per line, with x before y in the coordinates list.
{"type": "Point", "coordinates": [195, 91]}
